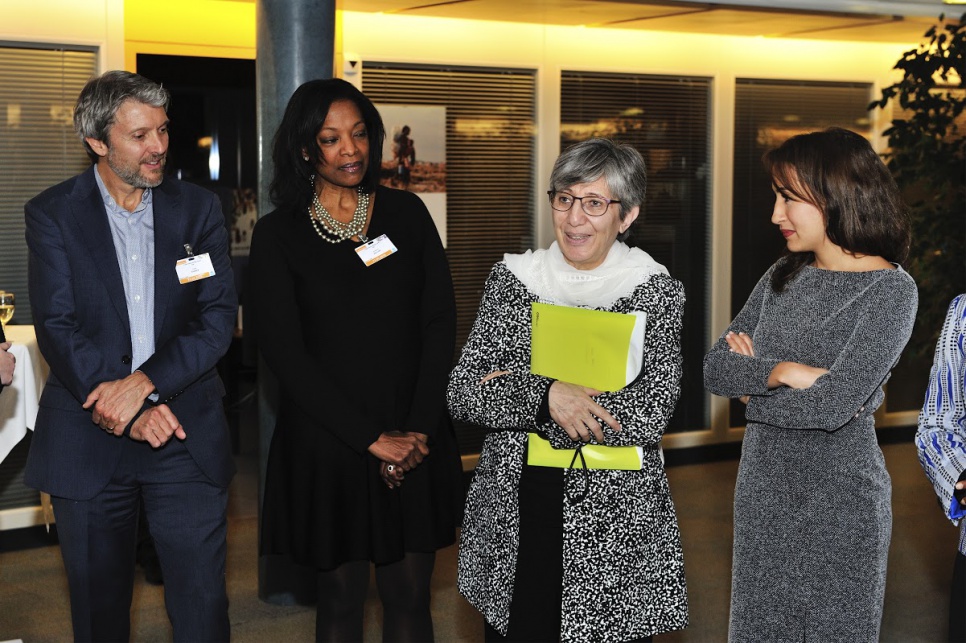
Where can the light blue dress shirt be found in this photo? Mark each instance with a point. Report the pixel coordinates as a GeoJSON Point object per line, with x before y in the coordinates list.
{"type": "Point", "coordinates": [133, 234]}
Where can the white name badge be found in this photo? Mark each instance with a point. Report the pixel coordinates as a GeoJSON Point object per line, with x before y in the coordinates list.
{"type": "Point", "coordinates": [375, 250]}
{"type": "Point", "coordinates": [194, 268]}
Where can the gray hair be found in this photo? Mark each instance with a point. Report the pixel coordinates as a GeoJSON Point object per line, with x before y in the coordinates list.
{"type": "Point", "coordinates": [103, 95]}
{"type": "Point", "coordinates": [621, 165]}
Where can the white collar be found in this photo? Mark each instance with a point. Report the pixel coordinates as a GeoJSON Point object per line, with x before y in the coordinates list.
{"type": "Point", "coordinates": [547, 274]}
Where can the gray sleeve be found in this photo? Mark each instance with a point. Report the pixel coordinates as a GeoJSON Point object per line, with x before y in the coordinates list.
{"type": "Point", "coordinates": [732, 375]}
{"type": "Point", "coordinates": [881, 331]}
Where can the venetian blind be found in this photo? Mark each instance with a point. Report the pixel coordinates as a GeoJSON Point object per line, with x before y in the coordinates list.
{"type": "Point", "coordinates": [490, 156]}
{"type": "Point", "coordinates": [667, 119]}
{"type": "Point", "coordinates": [767, 112]}
{"type": "Point", "coordinates": [38, 148]}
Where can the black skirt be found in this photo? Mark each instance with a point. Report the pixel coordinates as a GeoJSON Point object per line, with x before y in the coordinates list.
{"type": "Point", "coordinates": [325, 504]}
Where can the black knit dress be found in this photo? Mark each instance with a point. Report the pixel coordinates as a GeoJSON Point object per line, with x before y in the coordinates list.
{"type": "Point", "coordinates": [813, 515]}
{"type": "Point", "coordinates": [357, 351]}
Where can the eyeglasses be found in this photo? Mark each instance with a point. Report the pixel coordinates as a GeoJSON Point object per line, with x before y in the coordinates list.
{"type": "Point", "coordinates": [593, 206]}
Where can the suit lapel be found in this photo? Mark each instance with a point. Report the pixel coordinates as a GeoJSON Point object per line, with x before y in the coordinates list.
{"type": "Point", "coordinates": [87, 208]}
{"type": "Point", "coordinates": [169, 222]}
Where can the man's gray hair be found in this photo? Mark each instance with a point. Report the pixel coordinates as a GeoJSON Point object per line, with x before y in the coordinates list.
{"type": "Point", "coordinates": [103, 95]}
{"type": "Point", "coordinates": [620, 164]}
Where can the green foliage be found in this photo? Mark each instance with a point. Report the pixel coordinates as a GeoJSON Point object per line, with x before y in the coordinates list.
{"type": "Point", "coordinates": [927, 156]}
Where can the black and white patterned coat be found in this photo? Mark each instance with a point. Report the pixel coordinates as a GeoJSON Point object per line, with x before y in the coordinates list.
{"type": "Point", "coordinates": [623, 564]}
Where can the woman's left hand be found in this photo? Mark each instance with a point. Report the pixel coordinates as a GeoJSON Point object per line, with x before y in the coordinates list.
{"type": "Point", "coordinates": [392, 475]}
{"type": "Point", "coordinates": [740, 343]}
{"type": "Point", "coordinates": [575, 410]}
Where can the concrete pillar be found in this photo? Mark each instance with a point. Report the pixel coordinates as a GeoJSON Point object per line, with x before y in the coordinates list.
{"type": "Point", "coordinates": [295, 42]}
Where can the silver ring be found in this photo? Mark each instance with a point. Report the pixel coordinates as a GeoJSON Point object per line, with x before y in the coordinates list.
{"type": "Point", "coordinates": [390, 468]}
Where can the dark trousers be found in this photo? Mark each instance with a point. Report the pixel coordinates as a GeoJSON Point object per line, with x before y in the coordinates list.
{"type": "Point", "coordinates": [187, 513]}
{"type": "Point", "coordinates": [957, 601]}
{"type": "Point", "coordinates": [538, 582]}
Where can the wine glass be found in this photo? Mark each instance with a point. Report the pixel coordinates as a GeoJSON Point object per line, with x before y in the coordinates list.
{"type": "Point", "coordinates": [6, 307]}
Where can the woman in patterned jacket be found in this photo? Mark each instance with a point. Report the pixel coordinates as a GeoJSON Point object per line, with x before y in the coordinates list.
{"type": "Point", "coordinates": [571, 554]}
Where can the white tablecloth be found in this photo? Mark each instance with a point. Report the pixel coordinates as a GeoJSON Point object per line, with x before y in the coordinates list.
{"type": "Point", "coordinates": [19, 400]}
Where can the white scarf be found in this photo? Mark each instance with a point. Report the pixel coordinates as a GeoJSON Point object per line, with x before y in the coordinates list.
{"type": "Point", "coordinates": [547, 274]}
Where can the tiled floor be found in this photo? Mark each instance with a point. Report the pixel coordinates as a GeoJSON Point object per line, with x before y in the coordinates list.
{"type": "Point", "coordinates": [34, 607]}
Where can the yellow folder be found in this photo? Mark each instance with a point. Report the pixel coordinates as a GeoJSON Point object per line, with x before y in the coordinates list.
{"type": "Point", "coordinates": [580, 346]}
{"type": "Point", "coordinates": [586, 347]}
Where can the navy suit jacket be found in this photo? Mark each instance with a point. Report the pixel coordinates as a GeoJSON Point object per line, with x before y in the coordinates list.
{"type": "Point", "coordinates": [83, 331]}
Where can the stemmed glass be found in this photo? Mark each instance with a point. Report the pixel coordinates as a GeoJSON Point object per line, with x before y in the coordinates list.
{"type": "Point", "coordinates": [6, 307]}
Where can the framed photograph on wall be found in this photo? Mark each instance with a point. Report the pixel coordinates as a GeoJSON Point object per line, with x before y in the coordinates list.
{"type": "Point", "coordinates": [414, 155]}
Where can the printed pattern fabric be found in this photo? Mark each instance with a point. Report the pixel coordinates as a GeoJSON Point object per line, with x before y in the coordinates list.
{"type": "Point", "coordinates": [941, 437]}
{"type": "Point", "coordinates": [623, 564]}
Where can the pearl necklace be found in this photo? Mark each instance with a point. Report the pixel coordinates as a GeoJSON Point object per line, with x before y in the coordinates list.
{"type": "Point", "coordinates": [334, 230]}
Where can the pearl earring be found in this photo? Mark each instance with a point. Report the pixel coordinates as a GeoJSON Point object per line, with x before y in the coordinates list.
{"type": "Point", "coordinates": [305, 157]}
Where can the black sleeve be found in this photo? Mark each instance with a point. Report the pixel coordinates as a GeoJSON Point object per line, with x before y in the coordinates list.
{"type": "Point", "coordinates": [3, 338]}
{"type": "Point", "coordinates": [958, 494]}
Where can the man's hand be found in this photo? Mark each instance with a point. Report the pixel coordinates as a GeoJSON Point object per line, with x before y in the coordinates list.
{"type": "Point", "coordinates": [7, 364]}
{"type": "Point", "coordinates": [156, 426]}
{"type": "Point", "coordinates": [117, 402]}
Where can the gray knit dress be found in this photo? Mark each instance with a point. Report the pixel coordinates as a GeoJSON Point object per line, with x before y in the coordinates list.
{"type": "Point", "coordinates": [813, 514]}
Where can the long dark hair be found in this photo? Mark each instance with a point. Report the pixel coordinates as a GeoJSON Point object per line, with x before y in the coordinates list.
{"type": "Point", "coordinates": [304, 116]}
{"type": "Point", "coordinates": [838, 172]}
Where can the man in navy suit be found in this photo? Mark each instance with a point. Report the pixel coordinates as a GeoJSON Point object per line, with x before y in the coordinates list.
{"type": "Point", "coordinates": [133, 303]}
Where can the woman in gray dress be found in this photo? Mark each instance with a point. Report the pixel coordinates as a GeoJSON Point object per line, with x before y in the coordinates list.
{"type": "Point", "coordinates": [556, 553]}
{"type": "Point", "coordinates": [809, 353]}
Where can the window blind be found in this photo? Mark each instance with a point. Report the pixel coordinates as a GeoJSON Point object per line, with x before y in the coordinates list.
{"type": "Point", "coordinates": [667, 119]}
{"type": "Point", "coordinates": [38, 148]}
{"type": "Point", "coordinates": [767, 112]}
{"type": "Point", "coordinates": [490, 156]}
{"type": "Point", "coordinates": [38, 88]}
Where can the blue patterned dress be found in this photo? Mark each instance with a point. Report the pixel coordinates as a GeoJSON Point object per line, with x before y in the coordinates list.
{"type": "Point", "coordinates": [941, 437]}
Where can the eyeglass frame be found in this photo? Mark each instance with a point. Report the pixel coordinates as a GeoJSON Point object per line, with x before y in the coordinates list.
{"type": "Point", "coordinates": [552, 193]}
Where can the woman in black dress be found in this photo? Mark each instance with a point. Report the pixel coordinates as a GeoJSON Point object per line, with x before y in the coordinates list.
{"type": "Point", "coordinates": [355, 316]}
